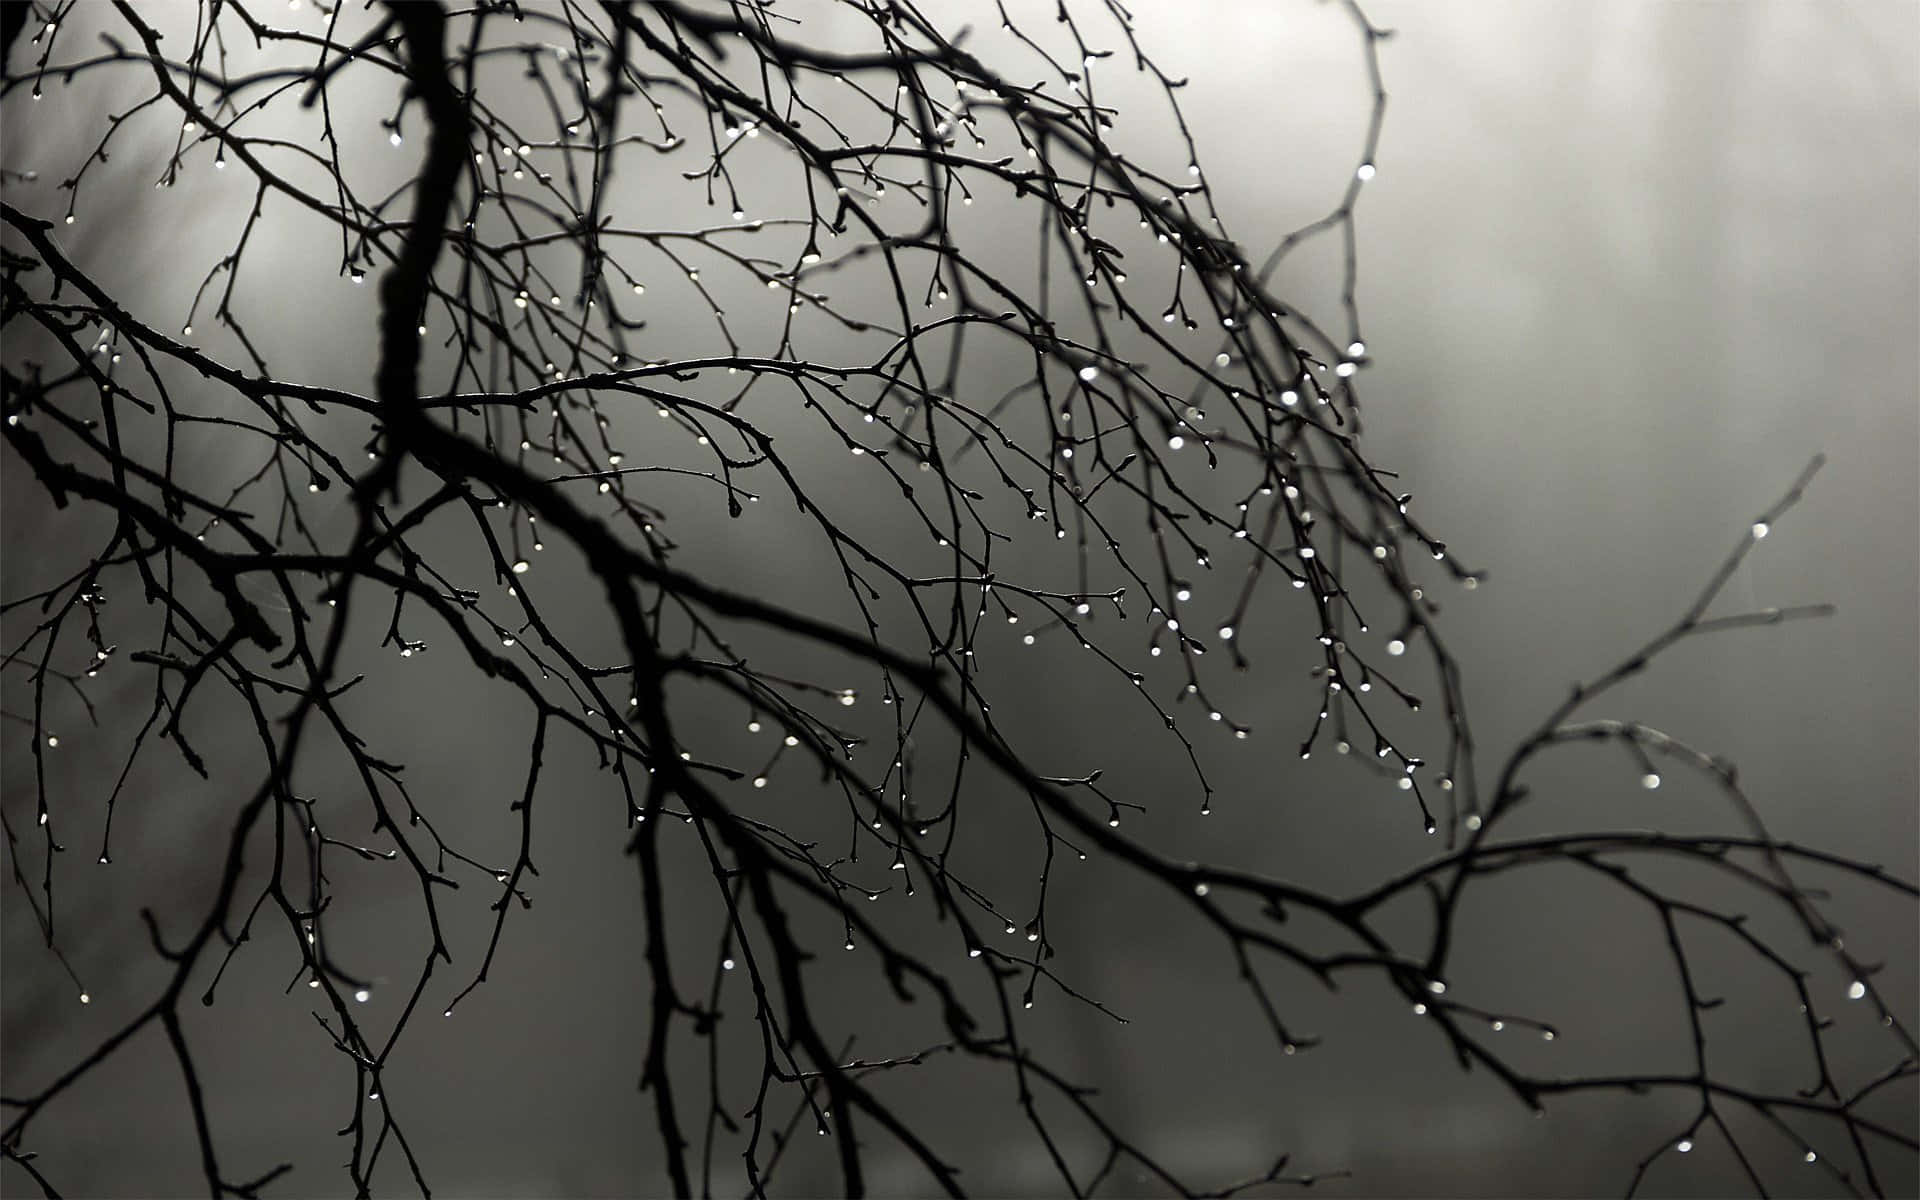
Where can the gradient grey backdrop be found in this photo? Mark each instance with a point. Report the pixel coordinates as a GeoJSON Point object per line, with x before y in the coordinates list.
{"type": "Point", "coordinates": [1625, 267]}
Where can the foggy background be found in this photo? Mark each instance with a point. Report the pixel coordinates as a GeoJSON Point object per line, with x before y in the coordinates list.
{"type": "Point", "coordinates": [1624, 269]}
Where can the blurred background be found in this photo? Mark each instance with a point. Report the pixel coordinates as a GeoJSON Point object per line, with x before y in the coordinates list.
{"type": "Point", "coordinates": [1624, 269]}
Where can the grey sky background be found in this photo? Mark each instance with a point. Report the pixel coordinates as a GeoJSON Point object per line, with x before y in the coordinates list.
{"type": "Point", "coordinates": [1624, 269]}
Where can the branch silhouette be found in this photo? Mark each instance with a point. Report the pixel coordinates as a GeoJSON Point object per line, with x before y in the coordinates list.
{"type": "Point", "coordinates": [1212, 434]}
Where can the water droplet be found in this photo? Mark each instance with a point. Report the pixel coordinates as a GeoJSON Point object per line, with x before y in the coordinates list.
{"type": "Point", "coordinates": [85, 999]}
{"type": "Point", "coordinates": [1396, 647]}
{"type": "Point", "coordinates": [1365, 172]}
{"type": "Point", "coordinates": [362, 996]}
{"type": "Point", "coordinates": [1857, 989]}
{"type": "Point", "coordinates": [1760, 530]}
{"type": "Point", "coordinates": [1650, 780]}
{"type": "Point", "coordinates": [1684, 1145]}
